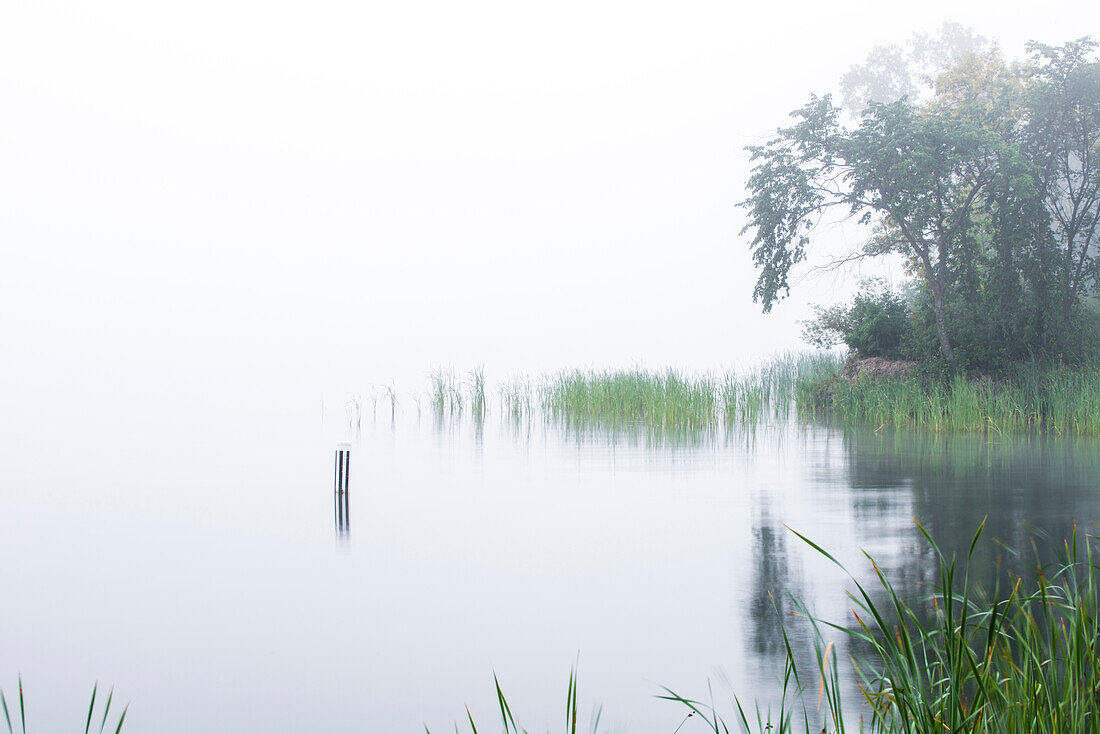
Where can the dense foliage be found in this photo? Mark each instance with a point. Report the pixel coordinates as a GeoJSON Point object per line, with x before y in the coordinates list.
{"type": "Point", "coordinates": [988, 186]}
{"type": "Point", "coordinates": [876, 324]}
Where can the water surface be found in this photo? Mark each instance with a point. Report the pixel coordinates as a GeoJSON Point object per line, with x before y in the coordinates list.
{"type": "Point", "coordinates": [196, 559]}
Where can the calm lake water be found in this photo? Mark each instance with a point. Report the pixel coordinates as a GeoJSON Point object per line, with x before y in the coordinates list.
{"type": "Point", "coordinates": [193, 558]}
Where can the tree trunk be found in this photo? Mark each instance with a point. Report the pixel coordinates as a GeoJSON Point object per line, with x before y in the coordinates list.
{"type": "Point", "coordinates": [941, 326]}
{"type": "Point", "coordinates": [1068, 302]}
{"type": "Point", "coordinates": [930, 274]}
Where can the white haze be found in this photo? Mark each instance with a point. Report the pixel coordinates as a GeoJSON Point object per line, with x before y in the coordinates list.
{"type": "Point", "coordinates": [300, 197]}
{"type": "Point", "coordinates": [212, 214]}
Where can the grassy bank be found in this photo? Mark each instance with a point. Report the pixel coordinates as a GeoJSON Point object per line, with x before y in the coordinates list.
{"type": "Point", "coordinates": [1022, 658]}
{"type": "Point", "coordinates": [1031, 398]}
{"type": "Point", "coordinates": [658, 399]}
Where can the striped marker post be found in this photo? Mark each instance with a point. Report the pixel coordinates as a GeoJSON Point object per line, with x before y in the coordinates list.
{"type": "Point", "coordinates": [343, 466]}
{"type": "Point", "coordinates": [342, 493]}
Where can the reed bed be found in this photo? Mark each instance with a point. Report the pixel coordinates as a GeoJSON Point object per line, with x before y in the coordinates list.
{"type": "Point", "coordinates": [516, 398]}
{"type": "Point", "coordinates": [661, 400]}
{"type": "Point", "coordinates": [1031, 399]}
{"type": "Point", "coordinates": [670, 400]}
{"type": "Point", "coordinates": [656, 399]}
{"type": "Point", "coordinates": [476, 384]}
{"type": "Point", "coordinates": [771, 390]}
{"type": "Point", "coordinates": [445, 394]}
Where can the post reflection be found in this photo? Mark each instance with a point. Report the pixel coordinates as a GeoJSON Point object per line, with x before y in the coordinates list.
{"type": "Point", "coordinates": [342, 514]}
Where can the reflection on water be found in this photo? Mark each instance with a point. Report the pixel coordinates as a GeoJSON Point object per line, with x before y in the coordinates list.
{"type": "Point", "coordinates": [1026, 488]}
{"type": "Point", "coordinates": [1029, 492]}
{"type": "Point", "coordinates": [854, 490]}
{"type": "Point", "coordinates": [775, 583]}
{"type": "Point", "coordinates": [341, 502]}
{"type": "Point", "coordinates": [489, 545]}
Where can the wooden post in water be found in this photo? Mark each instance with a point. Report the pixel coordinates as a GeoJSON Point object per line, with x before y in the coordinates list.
{"type": "Point", "coordinates": [342, 493]}
{"type": "Point", "coordinates": [343, 466]}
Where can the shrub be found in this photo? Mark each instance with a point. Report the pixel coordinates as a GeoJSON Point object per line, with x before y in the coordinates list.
{"type": "Point", "coordinates": [876, 323]}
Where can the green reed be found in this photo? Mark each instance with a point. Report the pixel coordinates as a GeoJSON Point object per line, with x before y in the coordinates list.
{"type": "Point", "coordinates": [769, 391]}
{"type": "Point", "coordinates": [516, 398]}
{"type": "Point", "coordinates": [445, 393]}
{"type": "Point", "coordinates": [508, 719]}
{"type": "Point", "coordinates": [1019, 659]}
{"type": "Point", "coordinates": [657, 399]}
{"type": "Point", "coordinates": [88, 722]}
{"type": "Point", "coordinates": [672, 400]}
{"type": "Point", "coordinates": [1025, 658]}
{"type": "Point", "coordinates": [1031, 398]}
{"type": "Point", "coordinates": [476, 385]}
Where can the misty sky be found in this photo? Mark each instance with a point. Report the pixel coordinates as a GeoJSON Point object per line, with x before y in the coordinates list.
{"type": "Point", "coordinates": [331, 194]}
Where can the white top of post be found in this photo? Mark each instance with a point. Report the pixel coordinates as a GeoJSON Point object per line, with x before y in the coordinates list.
{"type": "Point", "coordinates": [343, 445]}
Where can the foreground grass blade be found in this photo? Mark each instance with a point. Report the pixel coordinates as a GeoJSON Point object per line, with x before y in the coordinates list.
{"type": "Point", "coordinates": [7, 718]}
{"type": "Point", "coordinates": [87, 721]}
{"type": "Point", "coordinates": [505, 711]}
{"type": "Point", "coordinates": [91, 707]}
{"type": "Point", "coordinates": [672, 695]}
{"type": "Point", "coordinates": [571, 703]}
{"type": "Point", "coordinates": [122, 718]}
{"type": "Point", "coordinates": [508, 720]}
{"type": "Point", "coordinates": [106, 709]}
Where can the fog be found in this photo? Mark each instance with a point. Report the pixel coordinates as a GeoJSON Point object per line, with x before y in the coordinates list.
{"type": "Point", "coordinates": [216, 217]}
{"type": "Point", "coordinates": [328, 196]}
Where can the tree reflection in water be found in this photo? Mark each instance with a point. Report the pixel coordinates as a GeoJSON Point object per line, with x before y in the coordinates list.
{"type": "Point", "coordinates": [1029, 490]}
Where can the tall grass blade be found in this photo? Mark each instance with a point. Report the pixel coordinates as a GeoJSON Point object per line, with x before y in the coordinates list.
{"type": "Point", "coordinates": [122, 718]}
{"type": "Point", "coordinates": [106, 709]}
{"type": "Point", "coordinates": [91, 707]}
{"type": "Point", "coordinates": [7, 717]}
{"type": "Point", "coordinates": [505, 711]}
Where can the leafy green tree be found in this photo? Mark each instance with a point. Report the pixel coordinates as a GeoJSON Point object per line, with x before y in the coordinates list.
{"type": "Point", "coordinates": [917, 176]}
{"type": "Point", "coordinates": [989, 304]}
{"type": "Point", "coordinates": [983, 174]}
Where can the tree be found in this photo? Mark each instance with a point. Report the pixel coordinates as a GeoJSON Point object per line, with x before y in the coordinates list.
{"type": "Point", "coordinates": [917, 176]}
{"type": "Point", "coordinates": [1062, 140]}
{"type": "Point", "coordinates": [988, 186]}
{"type": "Point", "coordinates": [894, 72]}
